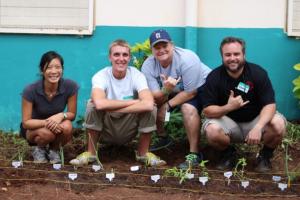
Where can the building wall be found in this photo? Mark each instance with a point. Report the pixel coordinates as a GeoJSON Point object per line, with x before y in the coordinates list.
{"type": "Point", "coordinates": [260, 23]}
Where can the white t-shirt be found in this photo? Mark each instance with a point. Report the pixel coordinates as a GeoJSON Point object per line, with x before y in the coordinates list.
{"type": "Point", "coordinates": [120, 89]}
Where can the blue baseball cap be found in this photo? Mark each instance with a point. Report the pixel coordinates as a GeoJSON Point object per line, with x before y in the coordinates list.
{"type": "Point", "coordinates": [159, 35]}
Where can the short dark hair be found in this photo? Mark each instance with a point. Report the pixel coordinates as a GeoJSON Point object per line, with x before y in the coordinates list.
{"type": "Point", "coordinates": [48, 57]}
{"type": "Point", "coordinates": [231, 39]}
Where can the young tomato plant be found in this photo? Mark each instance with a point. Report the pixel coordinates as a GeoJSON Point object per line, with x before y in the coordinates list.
{"type": "Point", "coordinates": [239, 169]}
{"type": "Point", "coordinates": [204, 171]}
{"type": "Point", "coordinates": [178, 173]}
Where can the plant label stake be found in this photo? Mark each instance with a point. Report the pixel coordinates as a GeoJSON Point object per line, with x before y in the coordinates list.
{"type": "Point", "coordinates": [282, 186]}
{"type": "Point", "coordinates": [228, 175]}
{"type": "Point", "coordinates": [190, 176]}
{"type": "Point", "coordinates": [203, 179]}
{"type": "Point", "coordinates": [96, 167]}
{"type": "Point", "coordinates": [155, 178]}
{"type": "Point", "coordinates": [276, 178]}
{"type": "Point", "coordinates": [16, 164]}
{"type": "Point", "coordinates": [72, 176]}
{"type": "Point", "coordinates": [110, 176]}
{"type": "Point", "coordinates": [245, 184]}
{"type": "Point", "coordinates": [167, 116]}
{"type": "Point", "coordinates": [57, 166]}
{"type": "Point", "coordinates": [134, 168]}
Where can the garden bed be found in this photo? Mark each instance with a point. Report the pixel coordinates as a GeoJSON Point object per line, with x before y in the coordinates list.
{"type": "Point", "coordinates": [42, 181]}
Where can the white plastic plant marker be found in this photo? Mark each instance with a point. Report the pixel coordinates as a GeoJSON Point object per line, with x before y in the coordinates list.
{"type": "Point", "coordinates": [16, 164]}
{"type": "Point", "coordinates": [276, 178]}
{"type": "Point", "coordinates": [203, 179]}
{"type": "Point", "coordinates": [228, 174]}
{"type": "Point", "coordinates": [72, 176]}
{"type": "Point", "coordinates": [110, 176]}
{"type": "Point", "coordinates": [282, 186]}
{"type": "Point", "coordinates": [155, 178]}
{"type": "Point", "coordinates": [190, 176]}
{"type": "Point", "coordinates": [96, 167]}
{"type": "Point", "coordinates": [57, 166]}
{"type": "Point", "coordinates": [245, 184]}
{"type": "Point", "coordinates": [134, 168]}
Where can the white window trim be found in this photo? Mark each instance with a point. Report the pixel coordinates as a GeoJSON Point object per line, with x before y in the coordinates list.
{"type": "Point", "coordinates": [87, 30]}
{"type": "Point", "coordinates": [293, 18]}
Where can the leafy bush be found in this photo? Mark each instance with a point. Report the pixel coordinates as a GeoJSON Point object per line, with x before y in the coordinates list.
{"type": "Point", "coordinates": [296, 82]}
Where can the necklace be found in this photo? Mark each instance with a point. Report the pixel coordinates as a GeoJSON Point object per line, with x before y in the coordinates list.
{"type": "Point", "coordinates": [50, 94]}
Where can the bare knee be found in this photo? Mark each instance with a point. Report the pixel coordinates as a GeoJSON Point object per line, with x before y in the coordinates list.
{"type": "Point", "coordinates": [43, 137]}
{"type": "Point", "coordinates": [213, 132]}
{"type": "Point", "coordinates": [188, 110]}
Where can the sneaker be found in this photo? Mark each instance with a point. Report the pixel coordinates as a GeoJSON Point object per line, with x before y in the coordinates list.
{"type": "Point", "coordinates": [263, 164]}
{"type": "Point", "coordinates": [191, 160]}
{"type": "Point", "coordinates": [150, 159]}
{"type": "Point", "coordinates": [161, 143]}
{"type": "Point", "coordinates": [54, 156]}
{"type": "Point", "coordinates": [39, 155]}
{"type": "Point", "coordinates": [228, 159]}
{"type": "Point", "coordinates": [83, 159]}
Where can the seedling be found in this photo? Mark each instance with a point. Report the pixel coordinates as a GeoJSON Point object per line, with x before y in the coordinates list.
{"type": "Point", "coordinates": [178, 173]}
{"type": "Point", "coordinates": [62, 157]}
{"type": "Point", "coordinates": [204, 171]}
{"type": "Point", "coordinates": [239, 169]}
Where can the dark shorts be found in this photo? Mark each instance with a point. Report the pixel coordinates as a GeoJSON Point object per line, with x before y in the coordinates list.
{"type": "Point", "coordinates": [23, 134]}
{"type": "Point", "coordinates": [195, 102]}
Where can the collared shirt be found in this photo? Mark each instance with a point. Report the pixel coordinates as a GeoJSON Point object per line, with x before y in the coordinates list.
{"type": "Point", "coordinates": [42, 107]}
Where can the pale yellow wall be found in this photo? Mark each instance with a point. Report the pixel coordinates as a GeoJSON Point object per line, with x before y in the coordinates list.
{"type": "Point", "coordinates": [211, 13]}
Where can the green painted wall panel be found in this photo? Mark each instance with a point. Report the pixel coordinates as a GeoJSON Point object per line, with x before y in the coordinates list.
{"type": "Point", "coordinates": [20, 54]}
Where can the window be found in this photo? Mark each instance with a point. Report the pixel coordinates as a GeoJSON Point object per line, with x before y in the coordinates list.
{"type": "Point", "coordinates": [47, 16]}
{"type": "Point", "coordinates": [293, 14]}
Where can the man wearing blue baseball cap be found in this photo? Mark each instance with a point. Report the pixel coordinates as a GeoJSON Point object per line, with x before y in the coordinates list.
{"type": "Point", "coordinates": [174, 75]}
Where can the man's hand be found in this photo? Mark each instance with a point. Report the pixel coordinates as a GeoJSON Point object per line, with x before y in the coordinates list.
{"type": "Point", "coordinates": [169, 83]}
{"type": "Point", "coordinates": [254, 136]}
{"type": "Point", "coordinates": [237, 102]}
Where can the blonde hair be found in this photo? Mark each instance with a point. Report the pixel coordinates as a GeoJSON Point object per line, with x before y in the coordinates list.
{"type": "Point", "coordinates": [119, 42]}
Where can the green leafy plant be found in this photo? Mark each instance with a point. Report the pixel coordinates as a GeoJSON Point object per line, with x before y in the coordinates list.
{"type": "Point", "coordinates": [204, 170]}
{"type": "Point", "coordinates": [140, 52]}
{"type": "Point", "coordinates": [296, 82]}
{"type": "Point", "coordinates": [178, 173]}
{"type": "Point", "coordinates": [239, 169]}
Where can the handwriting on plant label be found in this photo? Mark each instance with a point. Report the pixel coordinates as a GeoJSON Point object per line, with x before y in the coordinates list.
{"type": "Point", "coordinates": [276, 178]}
{"type": "Point", "coordinates": [245, 184]}
{"type": "Point", "coordinates": [110, 176]}
{"type": "Point", "coordinates": [96, 167]}
{"type": "Point", "coordinates": [72, 176]}
{"type": "Point", "coordinates": [57, 166]}
{"type": "Point", "coordinates": [16, 164]}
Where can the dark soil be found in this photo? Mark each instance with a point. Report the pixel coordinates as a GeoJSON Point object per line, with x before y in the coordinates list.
{"type": "Point", "coordinates": [41, 181]}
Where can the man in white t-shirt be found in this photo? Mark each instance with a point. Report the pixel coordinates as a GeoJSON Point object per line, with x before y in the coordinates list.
{"type": "Point", "coordinates": [174, 75]}
{"type": "Point", "coordinates": [121, 106]}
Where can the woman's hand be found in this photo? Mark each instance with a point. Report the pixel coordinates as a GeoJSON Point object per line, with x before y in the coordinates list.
{"type": "Point", "coordinates": [53, 123]}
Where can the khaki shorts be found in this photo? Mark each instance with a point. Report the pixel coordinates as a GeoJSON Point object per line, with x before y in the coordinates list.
{"type": "Point", "coordinates": [236, 131]}
{"type": "Point", "coordinates": [119, 128]}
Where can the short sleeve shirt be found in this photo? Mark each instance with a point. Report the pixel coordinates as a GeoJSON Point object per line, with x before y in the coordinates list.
{"type": "Point", "coordinates": [185, 64]}
{"type": "Point", "coordinates": [42, 108]}
{"type": "Point", "coordinates": [120, 89]}
{"type": "Point", "coordinates": [253, 85]}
